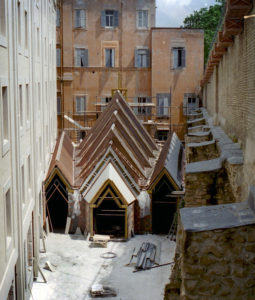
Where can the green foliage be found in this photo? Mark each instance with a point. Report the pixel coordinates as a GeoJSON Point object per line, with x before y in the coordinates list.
{"type": "Point", "coordinates": [207, 19]}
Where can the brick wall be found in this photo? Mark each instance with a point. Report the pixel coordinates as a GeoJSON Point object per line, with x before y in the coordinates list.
{"type": "Point", "coordinates": [236, 92]}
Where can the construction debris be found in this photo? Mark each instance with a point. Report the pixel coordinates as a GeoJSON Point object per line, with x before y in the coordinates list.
{"type": "Point", "coordinates": [145, 256]}
{"type": "Point", "coordinates": [157, 266]}
{"type": "Point", "coordinates": [98, 290]}
{"type": "Point", "coordinates": [100, 240]}
{"type": "Point", "coordinates": [48, 266]}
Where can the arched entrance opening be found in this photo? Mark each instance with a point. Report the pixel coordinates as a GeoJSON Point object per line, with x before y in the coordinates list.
{"type": "Point", "coordinates": [164, 206]}
{"type": "Point", "coordinates": [109, 214]}
{"type": "Point", "coordinates": [57, 204]}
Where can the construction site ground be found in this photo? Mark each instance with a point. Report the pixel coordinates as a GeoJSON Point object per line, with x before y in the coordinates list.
{"type": "Point", "coordinates": [77, 266]}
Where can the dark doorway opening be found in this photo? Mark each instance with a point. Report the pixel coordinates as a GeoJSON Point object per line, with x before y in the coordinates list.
{"type": "Point", "coordinates": [109, 216]}
{"type": "Point", "coordinates": [163, 206]}
{"type": "Point", "coordinates": [57, 205]}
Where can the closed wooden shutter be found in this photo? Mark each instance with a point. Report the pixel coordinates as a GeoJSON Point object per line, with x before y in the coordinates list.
{"type": "Point", "coordinates": [58, 57]}
{"type": "Point", "coordinates": [183, 57]}
{"type": "Point", "coordinates": [103, 24]}
{"type": "Point", "coordinates": [145, 19]}
{"type": "Point", "coordinates": [136, 58]}
{"type": "Point", "coordinates": [175, 58]}
{"type": "Point", "coordinates": [116, 18]}
{"type": "Point", "coordinates": [77, 18]}
{"type": "Point", "coordinates": [77, 57]}
{"type": "Point", "coordinates": [147, 58]}
{"type": "Point", "coordinates": [82, 18]}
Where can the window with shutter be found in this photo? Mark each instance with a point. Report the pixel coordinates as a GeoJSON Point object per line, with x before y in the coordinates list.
{"type": "Point", "coordinates": [81, 57]}
{"type": "Point", "coordinates": [59, 105]}
{"type": "Point", "coordinates": [110, 18]}
{"type": "Point", "coordinates": [163, 104]}
{"type": "Point", "coordinates": [179, 57]}
{"type": "Point", "coordinates": [109, 57]}
{"type": "Point", "coordinates": [58, 17]}
{"type": "Point", "coordinates": [142, 58]}
{"type": "Point", "coordinates": [142, 19]}
{"type": "Point", "coordinates": [58, 57]}
{"type": "Point", "coordinates": [80, 105]}
{"type": "Point", "coordinates": [80, 18]}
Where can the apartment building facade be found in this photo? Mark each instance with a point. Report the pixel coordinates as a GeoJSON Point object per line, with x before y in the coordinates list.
{"type": "Point", "coordinates": [107, 45]}
{"type": "Point", "coordinates": [28, 129]}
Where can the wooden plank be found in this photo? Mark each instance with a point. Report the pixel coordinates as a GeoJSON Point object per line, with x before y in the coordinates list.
{"type": "Point", "coordinates": [68, 223]}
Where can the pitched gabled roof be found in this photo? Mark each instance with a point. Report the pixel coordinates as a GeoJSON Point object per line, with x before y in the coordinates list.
{"type": "Point", "coordinates": [62, 159]}
{"type": "Point", "coordinates": [119, 144]}
{"type": "Point", "coordinates": [119, 128]}
{"type": "Point", "coordinates": [109, 174]}
{"type": "Point", "coordinates": [170, 160]}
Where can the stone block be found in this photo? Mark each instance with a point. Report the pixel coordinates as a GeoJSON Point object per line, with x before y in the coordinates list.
{"type": "Point", "coordinates": [207, 260]}
{"type": "Point", "coordinates": [251, 236]}
{"type": "Point", "coordinates": [250, 248]}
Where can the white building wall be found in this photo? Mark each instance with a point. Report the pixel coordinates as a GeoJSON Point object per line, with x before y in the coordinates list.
{"type": "Point", "coordinates": [27, 71]}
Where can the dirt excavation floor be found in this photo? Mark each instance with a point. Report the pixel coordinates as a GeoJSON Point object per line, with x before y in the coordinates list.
{"type": "Point", "coordinates": [79, 266]}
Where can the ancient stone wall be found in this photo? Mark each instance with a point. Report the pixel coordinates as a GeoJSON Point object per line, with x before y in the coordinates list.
{"type": "Point", "coordinates": [216, 264]}
{"type": "Point", "coordinates": [207, 188]}
{"type": "Point", "coordinates": [235, 94]}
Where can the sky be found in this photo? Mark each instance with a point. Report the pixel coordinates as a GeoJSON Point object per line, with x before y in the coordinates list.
{"type": "Point", "coordinates": [171, 13]}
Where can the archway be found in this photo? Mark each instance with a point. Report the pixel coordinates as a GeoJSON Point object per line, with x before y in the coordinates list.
{"type": "Point", "coordinates": [109, 214]}
{"type": "Point", "coordinates": [57, 204]}
{"type": "Point", "coordinates": [163, 206]}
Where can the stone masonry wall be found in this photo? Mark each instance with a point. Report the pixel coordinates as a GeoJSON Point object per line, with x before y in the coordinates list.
{"type": "Point", "coordinates": [216, 264]}
{"type": "Point", "coordinates": [199, 153]}
{"type": "Point", "coordinates": [208, 188]}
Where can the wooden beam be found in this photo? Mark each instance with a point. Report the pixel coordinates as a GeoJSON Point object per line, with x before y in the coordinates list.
{"type": "Point", "coordinates": [61, 193]}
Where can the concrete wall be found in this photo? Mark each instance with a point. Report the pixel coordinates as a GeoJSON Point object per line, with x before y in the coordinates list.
{"type": "Point", "coordinates": [27, 70]}
{"type": "Point", "coordinates": [236, 92]}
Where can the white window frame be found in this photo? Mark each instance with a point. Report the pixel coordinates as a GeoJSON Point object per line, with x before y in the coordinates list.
{"type": "Point", "coordinates": [109, 18]}
{"type": "Point", "coordinates": [141, 22]}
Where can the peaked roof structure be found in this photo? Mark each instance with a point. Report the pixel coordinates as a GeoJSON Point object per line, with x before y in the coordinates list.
{"type": "Point", "coordinates": [62, 160]}
{"type": "Point", "coordinates": [119, 129]}
{"type": "Point", "coordinates": [119, 150]}
{"type": "Point", "coordinates": [170, 160]}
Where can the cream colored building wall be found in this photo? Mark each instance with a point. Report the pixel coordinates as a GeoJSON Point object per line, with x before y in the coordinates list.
{"type": "Point", "coordinates": [236, 94]}
{"type": "Point", "coordinates": [25, 67]}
